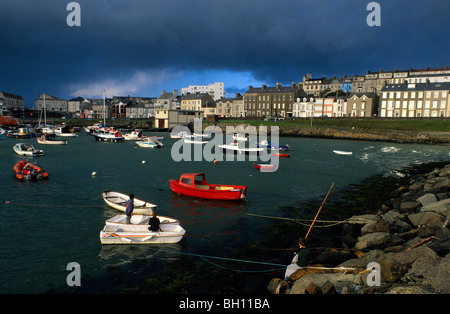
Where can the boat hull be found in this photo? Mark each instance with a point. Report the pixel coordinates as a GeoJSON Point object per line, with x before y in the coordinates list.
{"type": "Point", "coordinates": [118, 201]}
{"type": "Point", "coordinates": [21, 175]}
{"type": "Point", "coordinates": [116, 231]}
{"type": "Point", "coordinates": [114, 139]}
{"type": "Point", "coordinates": [229, 192]}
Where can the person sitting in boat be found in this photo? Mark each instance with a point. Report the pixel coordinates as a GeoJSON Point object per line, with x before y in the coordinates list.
{"type": "Point", "coordinates": [154, 222]}
{"type": "Point", "coordinates": [129, 209]}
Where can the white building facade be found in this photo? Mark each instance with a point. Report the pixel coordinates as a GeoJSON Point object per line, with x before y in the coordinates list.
{"type": "Point", "coordinates": [216, 90]}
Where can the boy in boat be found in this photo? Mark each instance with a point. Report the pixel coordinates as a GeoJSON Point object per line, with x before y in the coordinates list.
{"type": "Point", "coordinates": [129, 209]}
{"type": "Point", "coordinates": [154, 222]}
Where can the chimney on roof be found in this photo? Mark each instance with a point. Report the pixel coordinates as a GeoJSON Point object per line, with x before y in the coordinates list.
{"type": "Point", "coordinates": [278, 85]}
{"type": "Point", "coordinates": [250, 87]}
{"type": "Point", "coordinates": [293, 85]}
{"type": "Point", "coordinates": [264, 86]}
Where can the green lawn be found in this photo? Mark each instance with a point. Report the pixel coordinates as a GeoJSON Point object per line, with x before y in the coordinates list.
{"type": "Point", "coordinates": [439, 125]}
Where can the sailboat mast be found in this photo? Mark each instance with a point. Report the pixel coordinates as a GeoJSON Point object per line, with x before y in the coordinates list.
{"type": "Point", "coordinates": [45, 113]}
{"type": "Point", "coordinates": [104, 110]}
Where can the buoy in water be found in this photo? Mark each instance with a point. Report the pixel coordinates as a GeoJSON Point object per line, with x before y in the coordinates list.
{"type": "Point", "coordinates": [143, 161]}
{"type": "Point", "coordinates": [94, 174]}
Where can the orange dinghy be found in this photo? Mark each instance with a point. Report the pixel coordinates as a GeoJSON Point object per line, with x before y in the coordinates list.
{"type": "Point", "coordinates": [23, 170]}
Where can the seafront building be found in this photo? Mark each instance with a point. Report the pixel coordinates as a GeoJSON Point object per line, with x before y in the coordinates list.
{"type": "Point", "coordinates": [271, 101]}
{"type": "Point", "coordinates": [231, 107]}
{"type": "Point", "coordinates": [11, 101]}
{"type": "Point", "coordinates": [216, 90]}
{"type": "Point", "coordinates": [415, 100]}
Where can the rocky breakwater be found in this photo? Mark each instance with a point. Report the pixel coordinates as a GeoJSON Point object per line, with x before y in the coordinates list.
{"type": "Point", "coordinates": [408, 239]}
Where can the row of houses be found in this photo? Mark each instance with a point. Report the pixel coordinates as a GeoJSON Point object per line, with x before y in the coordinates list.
{"type": "Point", "coordinates": [396, 94]}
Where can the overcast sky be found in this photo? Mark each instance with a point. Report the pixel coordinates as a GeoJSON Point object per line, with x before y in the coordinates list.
{"type": "Point", "coordinates": [140, 47]}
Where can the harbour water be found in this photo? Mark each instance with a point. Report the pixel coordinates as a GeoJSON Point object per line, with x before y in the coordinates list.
{"type": "Point", "coordinates": [46, 225]}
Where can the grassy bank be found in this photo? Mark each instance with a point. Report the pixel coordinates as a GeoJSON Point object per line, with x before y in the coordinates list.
{"type": "Point", "coordinates": [415, 125]}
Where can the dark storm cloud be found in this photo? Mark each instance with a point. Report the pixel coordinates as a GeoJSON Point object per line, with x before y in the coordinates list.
{"type": "Point", "coordinates": [274, 40]}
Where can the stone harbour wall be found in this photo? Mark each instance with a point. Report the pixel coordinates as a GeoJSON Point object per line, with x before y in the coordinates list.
{"type": "Point", "coordinates": [409, 238]}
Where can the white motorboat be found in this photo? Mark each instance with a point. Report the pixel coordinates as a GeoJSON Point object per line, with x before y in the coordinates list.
{"type": "Point", "coordinates": [26, 149]}
{"type": "Point", "coordinates": [117, 231]}
{"type": "Point", "coordinates": [236, 149]}
{"type": "Point", "coordinates": [194, 141]}
{"type": "Point", "coordinates": [91, 129]}
{"type": "Point", "coordinates": [135, 135]}
{"type": "Point", "coordinates": [118, 201]}
{"type": "Point", "coordinates": [64, 131]}
{"type": "Point", "coordinates": [181, 134]}
{"type": "Point", "coordinates": [50, 139]}
{"type": "Point", "coordinates": [240, 137]}
{"type": "Point", "coordinates": [149, 142]}
{"type": "Point", "coordinates": [108, 135]}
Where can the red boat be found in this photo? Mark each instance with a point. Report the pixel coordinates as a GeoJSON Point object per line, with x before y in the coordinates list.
{"type": "Point", "coordinates": [194, 184]}
{"type": "Point", "coordinates": [281, 155]}
{"type": "Point", "coordinates": [264, 166]}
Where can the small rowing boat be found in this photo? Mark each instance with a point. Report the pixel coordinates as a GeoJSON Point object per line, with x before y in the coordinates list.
{"type": "Point", "coordinates": [118, 201]}
{"type": "Point", "coordinates": [265, 166]}
{"type": "Point", "coordinates": [341, 152]}
{"type": "Point", "coordinates": [117, 231]}
{"type": "Point", "coordinates": [281, 155]}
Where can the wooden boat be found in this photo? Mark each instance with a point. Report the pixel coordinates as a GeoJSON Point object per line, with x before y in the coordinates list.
{"type": "Point", "coordinates": [26, 149]}
{"type": "Point", "coordinates": [117, 231]}
{"type": "Point", "coordinates": [150, 142]}
{"type": "Point", "coordinates": [265, 166]}
{"type": "Point", "coordinates": [118, 201]}
{"type": "Point", "coordinates": [194, 184]}
{"type": "Point", "coordinates": [340, 152]}
{"type": "Point", "coordinates": [50, 139]}
{"type": "Point", "coordinates": [23, 170]}
{"type": "Point", "coordinates": [281, 155]}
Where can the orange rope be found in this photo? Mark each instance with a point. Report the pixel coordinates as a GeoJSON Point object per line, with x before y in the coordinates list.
{"type": "Point", "coordinates": [307, 234]}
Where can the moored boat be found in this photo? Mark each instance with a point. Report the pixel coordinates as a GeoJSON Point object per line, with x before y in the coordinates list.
{"type": "Point", "coordinates": [108, 135]}
{"type": "Point", "coordinates": [268, 145]}
{"type": "Point", "coordinates": [65, 131]}
{"type": "Point", "coordinates": [26, 149]}
{"type": "Point", "coordinates": [236, 149]}
{"type": "Point", "coordinates": [118, 201]}
{"type": "Point", "coordinates": [150, 142]}
{"type": "Point", "coordinates": [23, 170]}
{"type": "Point", "coordinates": [117, 231]}
{"type": "Point", "coordinates": [281, 155]}
{"type": "Point", "coordinates": [2, 134]}
{"type": "Point", "coordinates": [195, 185]}
{"type": "Point", "coordinates": [19, 133]}
{"type": "Point", "coordinates": [341, 152]}
{"type": "Point", "coordinates": [135, 135]}
{"type": "Point", "coordinates": [265, 166]}
{"type": "Point", "coordinates": [50, 139]}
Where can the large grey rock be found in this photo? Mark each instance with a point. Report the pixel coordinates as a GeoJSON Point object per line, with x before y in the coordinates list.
{"type": "Point", "coordinates": [423, 218]}
{"type": "Point", "coordinates": [395, 265]}
{"type": "Point", "coordinates": [373, 240]}
{"type": "Point", "coordinates": [440, 207]}
{"type": "Point", "coordinates": [426, 199]}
